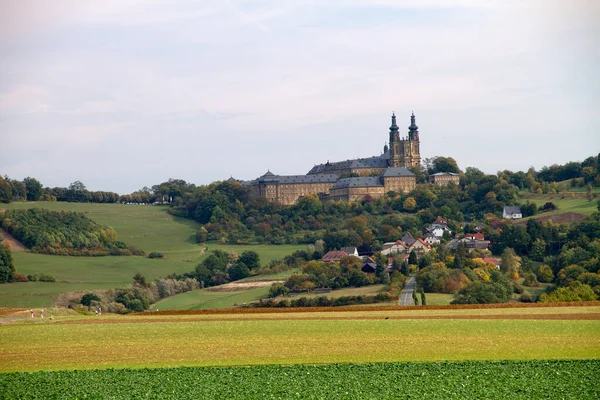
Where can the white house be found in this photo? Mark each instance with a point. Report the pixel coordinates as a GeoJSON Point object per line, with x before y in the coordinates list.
{"type": "Point", "coordinates": [396, 247]}
{"type": "Point", "coordinates": [432, 239]}
{"type": "Point", "coordinates": [512, 212]}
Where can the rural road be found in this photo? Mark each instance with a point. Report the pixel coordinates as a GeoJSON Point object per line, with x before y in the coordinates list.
{"type": "Point", "coordinates": [406, 296]}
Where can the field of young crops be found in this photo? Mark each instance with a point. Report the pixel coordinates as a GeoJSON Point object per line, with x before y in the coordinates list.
{"type": "Point", "coordinates": [460, 380]}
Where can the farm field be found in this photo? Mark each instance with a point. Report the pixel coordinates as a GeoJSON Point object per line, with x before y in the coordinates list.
{"type": "Point", "coordinates": [455, 380]}
{"type": "Point", "coordinates": [150, 228]}
{"type": "Point", "coordinates": [255, 338]}
{"type": "Point", "coordinates": [204, 298]}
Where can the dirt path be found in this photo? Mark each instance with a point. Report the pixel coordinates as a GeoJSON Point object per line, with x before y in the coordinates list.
{"type": "Point", "coordinates": [16, 246]}
{"type": "Point", "coordinates": [240, 286]}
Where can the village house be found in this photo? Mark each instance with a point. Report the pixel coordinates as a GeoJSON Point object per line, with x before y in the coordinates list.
{"type": "Point", "coordinates": [369, 266]}
{"type": "Point", "coordinates": [334, 256]}
{"type": "Point", "coordinates": [351, 251]}
{"type": "Point", "coordinates": [492, 261]}
{"type": "Point", "coordinates": [438, 227]}
{"type": "Point", "coordinates": [431, 239]}
{"type": "Point", "coordinates": [512, 212]}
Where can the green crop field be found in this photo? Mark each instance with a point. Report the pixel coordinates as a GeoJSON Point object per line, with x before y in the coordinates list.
{"type": "Point", "coordinates": [300, 338]}
{"type": "Point", "coordinates": [150, 228]}
{"type": "Point", "coordinates": [203, 298]}
{"type": "Point", "coordinates": [457, 380]}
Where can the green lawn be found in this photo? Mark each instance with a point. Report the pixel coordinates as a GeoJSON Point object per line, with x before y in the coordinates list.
{"type": "Point", "coordinates": [437, 299]}
{"type": "Point", "coordinates": [296, 338]}
{"type": "Point", "coordinates": [203, 298]}
{"type": "Point", "coordinates": [150, 228]}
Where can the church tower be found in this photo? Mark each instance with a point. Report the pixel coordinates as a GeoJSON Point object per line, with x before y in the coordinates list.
{"type": "Point", "coordinates": [414, 143]}
{"type": "Point", "coordinates": [395, 159]}
{"type": "Point", "coordinates": [404, 152]}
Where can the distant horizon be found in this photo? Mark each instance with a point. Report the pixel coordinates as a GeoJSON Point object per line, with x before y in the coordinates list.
{"type": "Point", "coordinates": [121, 94]}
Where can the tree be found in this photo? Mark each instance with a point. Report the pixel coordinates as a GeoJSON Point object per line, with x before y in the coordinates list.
{"type": "Point", "coordinates": [34, 189]}
{"type": "Point", "coordinates": [238, 271]}
{"type": "Point", "coordinates": [251, 259]}
{"type": "Point", "coordinates": [576, 291]}
{"type": "Point", "coordinates": [77, 186]}
{"type": "Point", "coordinates": [6, 192]}
{"type": "Point", "coordinates": [140, 279]}
{"type": "Point", "coordinates": [87, 299]}
{"type": "Point", "coordinates": [478, 292]}
{"type": "Point", "coordinates": [412, 258]}
{"type": "Point", "coordinates": [444, 164]}
{"type": "Point", "coordinates": [7, 267]}
{"type": "Point", "coordinates": [415, 299]}
{"type": "Point", "coordinates": [511, 263]}
{"type": "Point", "coordinates": [423, 300]}
{"type": "Point", "coordinates": [409, 204]}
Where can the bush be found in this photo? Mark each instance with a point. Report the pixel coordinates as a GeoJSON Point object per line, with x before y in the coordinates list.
{"type": "Point", "coordinates": [20, 277]}
{"type": "Point", "coordinates": [46, 278]}
{"type": "Point", "coordinates": [530, 280]}
{"type": "Point", "coordinates": [155, 254]}
{"type": "Point", "coordinates": [526, 297]}
{"type": "Point", "coordinates": [87, 299]}
{"type": "Point", "coordinates": [278, 289]}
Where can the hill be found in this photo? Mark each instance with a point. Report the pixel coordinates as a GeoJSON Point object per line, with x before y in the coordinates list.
{"type": "Point", "coordinates": [149, 228]}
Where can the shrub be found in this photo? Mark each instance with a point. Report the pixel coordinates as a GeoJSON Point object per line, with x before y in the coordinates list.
{"type": "Point", "coordinates": [155, 254]}
{"type": "Point", "coordinates": [87, 299]}
{"type": "Point", "coordinates": [17, 277]}
{"type": "Point", "coordinates": [46, 278]}
{"type": "Point", "coordinates": [526, 297]}
{"type": "Point", "coordinates": [278, 289]}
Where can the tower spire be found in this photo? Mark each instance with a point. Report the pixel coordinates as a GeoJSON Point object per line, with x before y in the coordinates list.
{"type": "Point", "coordinates": [394, 127]}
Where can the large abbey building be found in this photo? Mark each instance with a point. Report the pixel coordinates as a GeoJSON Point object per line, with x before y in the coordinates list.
{"type": "Point", "coordinates": [350, 180]}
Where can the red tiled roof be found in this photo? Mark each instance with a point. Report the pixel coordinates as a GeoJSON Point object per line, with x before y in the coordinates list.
{"type": "Point", "coordinates": [334, 255]}
{"type": "Point", "coordinates": [491, 260]}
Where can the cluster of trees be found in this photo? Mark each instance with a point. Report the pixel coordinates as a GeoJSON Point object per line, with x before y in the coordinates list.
{"type": "Point", "coordinates": [14, 190]}
{"type": "Point", "coordinates": [62, 233]}
{"type": "Point", "coordinates": [220, 267]}
{"type": "Point", "coordinates": [336, 275]}
{"type": "Point", "coordinates": [136, 298]}
{"type": "Point", "coordinates": [588, 170]}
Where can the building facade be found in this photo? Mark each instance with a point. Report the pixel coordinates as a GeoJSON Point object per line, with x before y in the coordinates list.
{"type": "Point", "coordinates": [444, 178]}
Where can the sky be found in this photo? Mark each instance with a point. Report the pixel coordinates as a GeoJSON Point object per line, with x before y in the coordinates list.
{"type": "Point", "coordinates": [122, 94]}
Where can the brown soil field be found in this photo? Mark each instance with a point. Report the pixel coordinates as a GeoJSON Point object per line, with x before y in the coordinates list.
{"type": "Point", "coordinates": [151, 320]}
{"type": "Point", "coordinates": [239, 286]}
{"type": "Point", "coordinates": [363, 308]}
{"type": "Point", "coordinates": [5, 312]}
{"type": "Point", "coordinates": [16, 246]}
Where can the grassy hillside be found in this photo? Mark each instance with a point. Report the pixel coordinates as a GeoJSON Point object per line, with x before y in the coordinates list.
{"type": "Point", "coordinates": [581, 206]}
{"type": "Point", "coordinates": [150, 228]}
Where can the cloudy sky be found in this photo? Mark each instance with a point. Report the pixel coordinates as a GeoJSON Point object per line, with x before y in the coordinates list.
{"type": "Point", "coordinates": [122, 94]}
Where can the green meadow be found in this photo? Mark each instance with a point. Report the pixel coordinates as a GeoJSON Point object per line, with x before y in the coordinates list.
{"type": "Point", "coordinates": [150, 228]}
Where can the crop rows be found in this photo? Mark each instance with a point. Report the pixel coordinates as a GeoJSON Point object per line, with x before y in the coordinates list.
{"type": "Point", "coordinates": [460, 380]}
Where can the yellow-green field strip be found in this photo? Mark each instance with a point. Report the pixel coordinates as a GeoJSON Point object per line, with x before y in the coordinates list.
{"type": "Point", "coordinates": [299, 338]}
